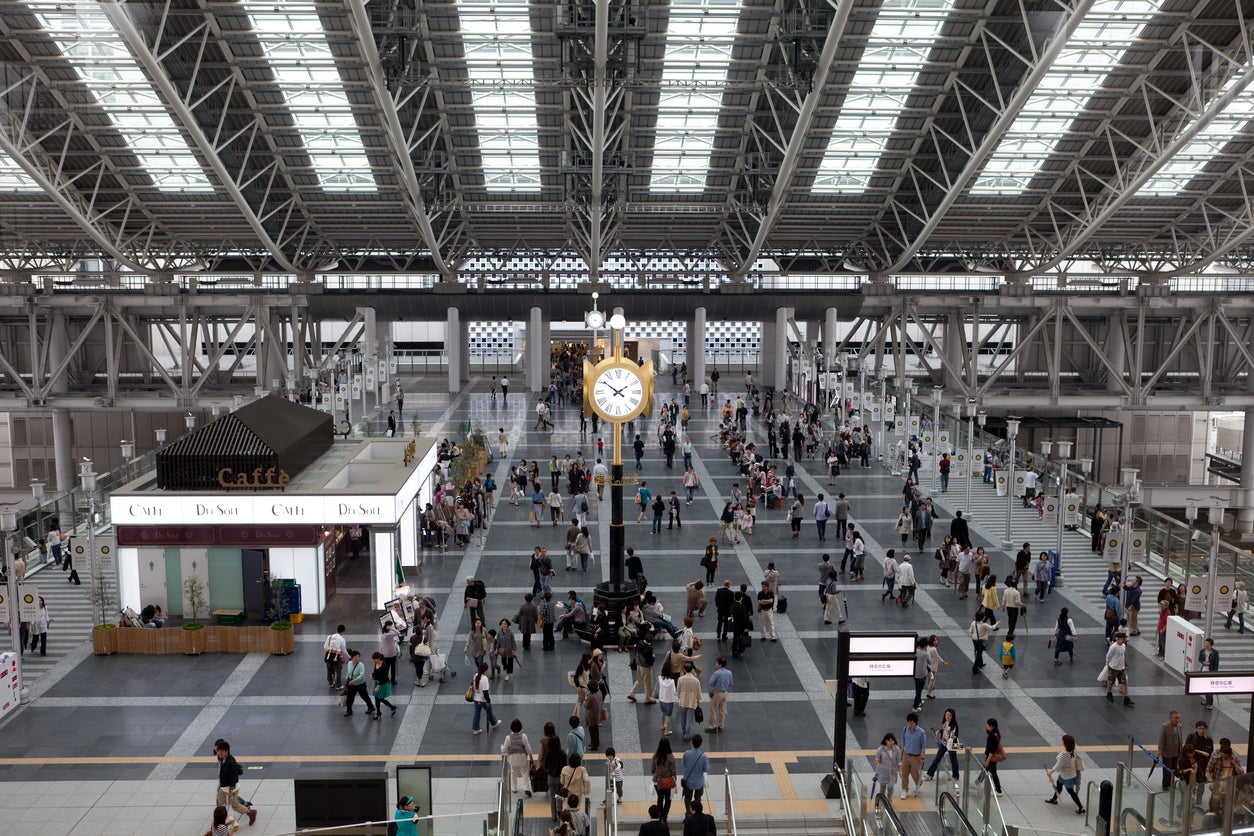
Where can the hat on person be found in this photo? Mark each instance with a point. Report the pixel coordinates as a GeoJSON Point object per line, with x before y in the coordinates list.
{"type": "Point", "coordinates": [905, 557]}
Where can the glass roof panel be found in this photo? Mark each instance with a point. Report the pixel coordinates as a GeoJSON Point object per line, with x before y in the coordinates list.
{"type": "Point", "coordinates": [292, 36]}
{"type": "Point", "coordinates": [88, 42]}
{"type": "Point", "coordinates": [497, 39]}
{"type": "Point", "coordinates": [1109, 29]}
{"type": "Point", "coordinates": [699, 41]}
{"type": "Point", "coordinates": [13, 179]}
{"type": "Point", "coordinates": [895, 53]}
{"type": "Point", "coordinates": [1174, 177]}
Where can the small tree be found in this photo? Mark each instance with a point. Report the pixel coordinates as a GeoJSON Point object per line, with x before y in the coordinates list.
{"type": "Point", "coordinates": [279, 605]}
{"type": "Point", "coordinates": [102, 600]}
{"type": "Point", "coordinates": [194, 594]}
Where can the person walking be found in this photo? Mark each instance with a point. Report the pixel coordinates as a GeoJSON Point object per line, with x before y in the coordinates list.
{"type": "Point", "coordinates": [949, 743]}
{"type": "Point", "coordinates": [766, 613]}
{"type": "Point", "coordinates": [935, 660]}
{"type": "Point", "coordinates": [688, 689]}
{"type": "Point", "coordinates": [389, 648]}
{"type": "Point", "coordinates": [890, 575]}
{"type": "Point", "coordinates": [644, 659]}
{"type": "Point", "coordinates": [822, 511]}
{"type": "Point", "coordinates": [662, 768]}
{"type": "Point", "coordinates": [695, 766]}
{"type": "Point", "coordinates": [842, 516]}
{"type": "Point", "coordinates": [904, 525]}
{"type": "Point", "coordinates": [720, 687]}
{"type": "Point", "coordinates": [1012, 603]}
{"type": "Point", "coordinates": [505, 648]}
{"type": "Point", "coordinates": [1041, 573]}
{"type": "Point", "coordinates": [1132, 604]}
{"type": "Point", "coordinates": [1207, 658]}
{"type": "Point", "coordinates": [335, 654]}
{"type": "Point", "coordinates": [39, 629]}
{"type": "Point", "coordinates": [1239, 600]}
{"type": "Point", "coordinates": [382, 685]}
{"type": "Point", "coordinates": [1117, 669]}
{"type": "Point", "coordinates": [709, 560]}
{"type": "Point", "coordinates": [887, 764]}
{"type": "Point", "coordinates": [922, 662]}
{"type": "Point", "coordinates": [913, 744]}
{"type": "Point", "coordinates": [229, 773]}
{"type": "Point", "coordinates": [482, 699]}
{"type": "Point", "coordinates": [355, 682]}
{"type": "Point", "coordinates": [554, 761]}
{"type": "Point", "coordinates": [994, 753]}
{"type": "Point", "coordinates": [576, 780]}
{"type": "Point", "coordinates": [1063, 639]}
{"type": "Point", "coordinates": [1067, 767]}
{"type": "Point", "coordinates": [979, 632]}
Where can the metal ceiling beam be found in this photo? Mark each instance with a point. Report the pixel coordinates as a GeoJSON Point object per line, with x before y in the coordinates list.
{"type": "Point", "coordinates": [1007, 112]}
{"type": "Point", "coordinates": [596, 212]}
{"type": "Point", "coordinates": [395, 134]}
{"type": "Point", "coordinates": [801, 131]}
{"type": "Point", "coordinates": [1073, 229]}
{"type": "Point", "coordinates": [138, 45]}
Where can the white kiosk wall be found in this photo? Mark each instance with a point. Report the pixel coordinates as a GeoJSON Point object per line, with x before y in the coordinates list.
{"type": "Point", "coordinates": [1184, 642]}
{"type": "Point", "coordinates": [130, 586]}
{"type": "Point", "coordinates": [409, 535]}
{"type": "Point", "coordinates": [152, 580]}
{"type": "Point", "coordinates": [382, 568]}
{"type": "Point", "coordinates": [303, 565]}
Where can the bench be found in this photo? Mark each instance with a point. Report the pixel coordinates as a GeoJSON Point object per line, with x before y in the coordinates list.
{"type": "Point", "coordinates": [228, 618]}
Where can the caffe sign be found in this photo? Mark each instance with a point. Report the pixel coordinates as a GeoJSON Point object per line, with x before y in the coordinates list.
{"type": "Point", "coordinates": [256, 479]}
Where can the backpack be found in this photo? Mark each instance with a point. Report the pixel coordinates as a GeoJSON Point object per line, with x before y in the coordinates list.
{"type": "Point", "coordinates": [1007, 654]}
{"type": "Point", "coordinates": [645, 652]}
{"type": "Point", "coordinates": [514, 745]}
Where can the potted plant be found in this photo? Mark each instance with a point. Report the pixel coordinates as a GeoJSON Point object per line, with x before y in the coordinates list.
{"type": "Point", "coordinates": [282, 636]}
{"type": "Point", "coordinates": [193, 640]}
{"type": "Point", "coordinates": [104, 639]}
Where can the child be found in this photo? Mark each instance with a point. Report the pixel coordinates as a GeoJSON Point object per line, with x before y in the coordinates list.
{"type": "Point", "coordinates": [600, 448]}
{"type": "Point", "coordinates": [746, 523]}
{"type": "Point", "coordinates": [1007, 655]}
{"type": "Point", "coordinates": [1040, 506]}
{"type": "Point", "coordinates": [1164, 610]}
{"type": "Point", "coordinates": [614, 765]}
{"type": "Point", "coordinates": [496, 667]}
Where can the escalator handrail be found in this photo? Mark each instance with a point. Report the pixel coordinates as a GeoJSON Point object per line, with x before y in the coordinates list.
{"type": "Point", "coordinates": [885, 803]}
{"type": "Point", "coordinates": [957, 808]}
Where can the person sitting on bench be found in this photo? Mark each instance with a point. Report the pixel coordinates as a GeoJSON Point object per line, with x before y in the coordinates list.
{"type": "Point", "coordinates": [152, 616]}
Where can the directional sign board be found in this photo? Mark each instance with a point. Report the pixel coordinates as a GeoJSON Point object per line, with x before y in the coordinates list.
{"type": "Point", "coordinates": [1219, 682]}
{"type": "Point", "coordinates": [883, 644]}
{"type": "Point", "coordinates": [881, 667]}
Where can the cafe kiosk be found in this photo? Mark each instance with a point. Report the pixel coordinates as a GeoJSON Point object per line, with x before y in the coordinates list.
{"type": "Point", "coordinates": [268, 491]}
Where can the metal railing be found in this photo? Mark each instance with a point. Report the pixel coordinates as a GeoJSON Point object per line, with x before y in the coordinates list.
{"type": "Point", "coordinates": [953, 820]}
{"type": "Point", "coordinates": [884, 821]}
{"type": "Point", "coordinates": [609, 812]}
{"type": "Point", "coordinates": [729, 799]}
{"type": "Point", "coordinates": [853, 802]}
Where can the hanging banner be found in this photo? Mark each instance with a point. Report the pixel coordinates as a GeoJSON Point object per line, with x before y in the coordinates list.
{"type": "Point", "coordinates": [1071, 512]}
{"type": "Point", "coordinates": [106, 550]}
{"type": "Point", "coordinates": [1136, 546]}
{"type": "Point", "coordinates": [959, 465]}
{"type": "Point", "coordinates": [899, 424]}
{"type": "Point", "coordinates": [27, 601]}
{"type": "Point", "coordinates": [927, 440]}
{"type": "Point", "coordinates": [851, 388]}
{"type": "Point", "coordinates": [1001, 482]}
{"type": "Point", "coordinates": [383, 368]}
{"type": "Point", "coordinates": [875, 412]}
{"type": "Point", "coordinates": [340, 400]}
{"type": "Point", "coordinates": [392, 363]}
{"type": "Point", "coordinates": [371, 383]}
{"type": "Point", "coordinates": [890, 414]}
{"type": "Point", "coordinates": [1111, 550]}
{"type": "Point", "coordinates": [357, 384]}
{"type": "Point", "coordinates": [944, 441]}
{"type": "Point", "coordinates": [4, 605]}
{"type": "Point", "coordinates": [1195, 593]}
{"type": "Point", "coordinates": [914, 425]}
{"type": "Point", "coordinates": [977, 465]}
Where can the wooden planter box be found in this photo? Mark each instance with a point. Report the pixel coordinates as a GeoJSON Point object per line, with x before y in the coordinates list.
{"type": "Point", "coordinates": [104, 642]}
{"type": "Point", "coordinates": [211, 639]}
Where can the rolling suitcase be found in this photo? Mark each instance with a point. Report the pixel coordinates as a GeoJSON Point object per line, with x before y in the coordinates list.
{"type": "Point", "coordinates": [781, 605]}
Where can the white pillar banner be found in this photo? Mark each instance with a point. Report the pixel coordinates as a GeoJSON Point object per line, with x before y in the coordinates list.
{"type": "Point", "coordinates": [1111, 550]}
{"type": "Point", "coordinates": [977, 465]}
{"type": "Point", "coordinates": [1136, 546]}
{"type": "Point", "coordinates": [914, 425]}
{"type": "Point", "coordinates": [1071, 512]}
{"type": "Point", "coordinates": [851, 388]}
{"type": "Point", "coordinates": [4, 605]}
{"type": "Point", "coordinates": [106, 549]}
{"type": "Point", "coordinates": [1001, 483]}
{"type": "Point", "coordinates": [899, 424]}
{"type": "Point", "coordinates": [875, 412]}
{"type": "Point", "coordinates": [1195, 593]}
{"type": "Point", "coordinates": [944, 441]}
{"type": "Point", "coordinates": [960, 465]}
{"type": "Point", "coordinates": [927, 440]}
{"type": "Point", "coordinates": [371, 383]}
{"type": "Point", "coordinates": [357, 383]}
{"type": "Point", "coordinates": [392, 366]}
{"type": "Point", "coordinates": [1051, 510]}
{"type": "Point", "coordinates": [27, 601]}
{"type": "Point", "coordinates": [890, 414]}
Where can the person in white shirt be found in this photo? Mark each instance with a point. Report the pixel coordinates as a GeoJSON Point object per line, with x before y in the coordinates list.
{"type": "Point", "coordinates": [906, 583]}
{"type": "Point", "coordinates": [1029, 486]}
{"type": "Point", "coordinates": [890, 575]}
{"type": "Point", "coordinates": [1117, 667]}
{"type": "Point", "coordinates": [335, 652]}
{"type": "Point", "coordinates": [600, 475]}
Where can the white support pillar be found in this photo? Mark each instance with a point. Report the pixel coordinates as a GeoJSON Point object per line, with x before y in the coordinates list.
{"type": "Point", "coordinates": [1116, 353]}
{"type": "Point", "coordinates": [781, 348]}
{"type": "Point", "coordinates": [766, 354]}
{"type": "Point", "coordinates": [463, 341]}
{"type": "Point", "coordinates": [830, 323]}
{"type": "Point", "coordinates": [454, 348]}
{"type": "Point", "coordinates": [62, 426]}
{"type": "Point", "coordinates": [535, 338]}
{"type": "Point", "coordinates": [1245, 508]}
{"type": "Point", "coordinates": [954, 341]}
{"type": "Point", "coordinates": [696, 348]}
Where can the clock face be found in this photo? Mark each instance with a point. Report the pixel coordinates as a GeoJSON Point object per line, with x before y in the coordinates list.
{"type": "Point", "coordinates": [618, 392]}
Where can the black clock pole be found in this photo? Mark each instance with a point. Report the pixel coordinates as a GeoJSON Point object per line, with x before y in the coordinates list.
{"type": "Point", "coordinates": [618, 530]}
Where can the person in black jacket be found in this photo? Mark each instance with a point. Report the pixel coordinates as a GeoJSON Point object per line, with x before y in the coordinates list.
{"type": "Point", "coordinates": [722, 608]}
{"type": "Point", "coordinates": [229, 773]}
{"type": "Point", "coordinates": [959, 531]}
{"type": "Point", "coordinates": [742, 621]}
{"type": "Point", "coordinates": [698, 823]}
{"type": "Point", "coordinates": [654, 826]}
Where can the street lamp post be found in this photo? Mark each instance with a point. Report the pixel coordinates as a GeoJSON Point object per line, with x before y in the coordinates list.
{"type": "Point", "coordinates": [936, 405]}
{"type": "Point", "coordinates": [1012, 432]}
{"type": "Point", "coordinates": [8, 521]}
{"type": "Point", "coordinates": [88, 477]}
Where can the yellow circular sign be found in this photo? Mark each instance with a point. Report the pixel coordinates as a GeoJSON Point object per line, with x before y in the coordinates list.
{"type": "Point", "coordinates": [1197, 589]}
{"type": "Point", "coordinates": [27, 598]}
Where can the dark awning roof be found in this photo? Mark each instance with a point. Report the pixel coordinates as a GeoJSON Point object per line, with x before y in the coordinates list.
{"type": "Point", "coordinates": [269, 432]}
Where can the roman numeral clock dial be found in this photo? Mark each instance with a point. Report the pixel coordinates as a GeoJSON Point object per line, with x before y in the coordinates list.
{"type": "Point", "coordinates": [617, 389]}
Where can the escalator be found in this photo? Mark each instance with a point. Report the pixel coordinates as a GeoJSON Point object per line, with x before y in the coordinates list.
{"type": "Point", "coordinates": [885, 821]}
{"type": "Point", "coordinates": [954, 822]}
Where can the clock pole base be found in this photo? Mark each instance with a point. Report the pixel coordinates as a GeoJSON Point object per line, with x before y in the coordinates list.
{"type": "Point", "coordinates": [613, 597]}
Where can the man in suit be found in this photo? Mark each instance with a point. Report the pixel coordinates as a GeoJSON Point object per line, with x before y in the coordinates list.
{"type": "Point", "coordinates": [698, 823]}
{"type": "Point", "coordinates": [959, 531]}
{"type": "Point", "coordinates": [1170, 739]}
{"type": "Point", "coordinates": [654, 826]}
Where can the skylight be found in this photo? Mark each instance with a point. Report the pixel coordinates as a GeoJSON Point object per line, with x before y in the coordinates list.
{"type": "Point", "coordinates": [13, 179]}
{"type": "Point", "coordinates": [1176, 175]}
{"type": "Point", "coordinates": [90, 45]}
{"type": "Point", "coordinates": [497, 39]}
{"type": "Point", "coordinates": [292, 35]}
{"type": "Point", "coordinates": [895, 54]}
{"type": "Point", "coordinates": [1109, 29]}
{"type": "Point", "coordinates": [699, 39]}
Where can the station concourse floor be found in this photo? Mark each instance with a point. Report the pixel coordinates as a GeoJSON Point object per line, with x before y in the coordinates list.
{"type": "Point", "coordinates": [122, 744]}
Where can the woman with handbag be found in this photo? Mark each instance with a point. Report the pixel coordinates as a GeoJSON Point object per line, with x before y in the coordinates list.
{"type": "Point", "coordinates": [505, 648]}
{"type": "Point", "coordinates": [662, 767]}
{"type": "Point", "coordinates": [553, 760]}
{"type": "Point", "coordinates": [1064, 636]}
{"type": "Point", "coordinates": [575, 780]}
{"type": "Point", "coordinates": [480, 696]}
{"type": "Point", "coordinates": [994, 753]}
